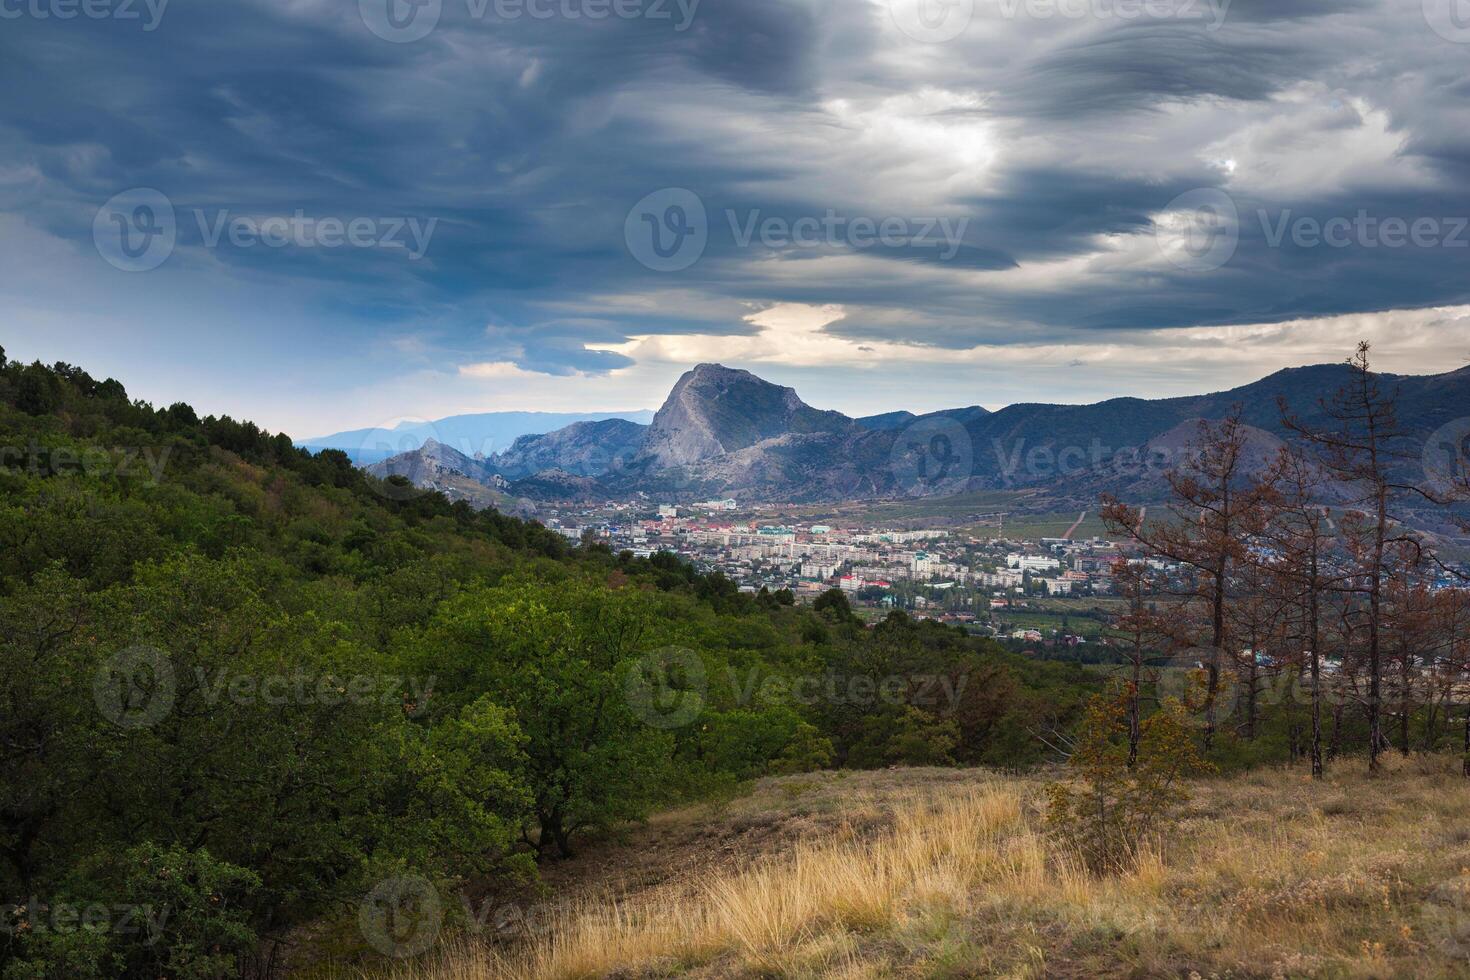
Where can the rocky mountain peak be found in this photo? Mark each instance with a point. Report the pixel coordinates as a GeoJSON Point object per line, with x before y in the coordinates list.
{"type": "Point", "coordinates": [714, 410]}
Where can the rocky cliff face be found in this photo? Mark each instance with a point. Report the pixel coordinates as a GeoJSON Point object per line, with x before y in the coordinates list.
{"type": "Point", "coordinates": [435, 466]}
{"type": "Point", "coordinates": [715, 410]}
{"type": "Point", "coordinates": [586, 449]}
{"type": "Point", "coordinates": [433, 461]}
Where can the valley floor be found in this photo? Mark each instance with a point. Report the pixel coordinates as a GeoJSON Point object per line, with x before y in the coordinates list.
{"type": "Point", "coordinates": [940, 873]}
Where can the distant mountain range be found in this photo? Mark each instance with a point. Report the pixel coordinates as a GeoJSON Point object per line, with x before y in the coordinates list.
{"type": "Point", "coordinates": [472, 435]}
{"type": "Point", "coordinates": [726, 432]}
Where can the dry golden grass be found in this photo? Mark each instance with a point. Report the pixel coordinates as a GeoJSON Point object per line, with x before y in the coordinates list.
{"type": "Point", "coordinates": [1267, 875]}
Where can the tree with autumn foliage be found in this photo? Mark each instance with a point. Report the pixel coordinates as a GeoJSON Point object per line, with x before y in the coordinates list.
{"type": "Point", "coordinates": [1216, 508]}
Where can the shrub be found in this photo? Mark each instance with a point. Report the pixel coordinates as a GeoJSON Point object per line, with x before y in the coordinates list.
{"type": "Point", "coordinates": [1117, 808]}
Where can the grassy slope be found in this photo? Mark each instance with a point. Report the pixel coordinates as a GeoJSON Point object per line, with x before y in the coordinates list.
{"type": "Point", "coordinates": [946, 873]}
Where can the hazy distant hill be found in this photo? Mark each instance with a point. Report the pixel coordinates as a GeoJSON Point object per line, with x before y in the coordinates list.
{"type": "Point", "coordinates": [483, 434]}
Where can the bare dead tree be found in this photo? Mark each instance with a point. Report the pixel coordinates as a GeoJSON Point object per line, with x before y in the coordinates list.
{"type": "Point", "coordinates": [1453, 629]}
{"type": "Point", "coordinates": [1258, 621]}
{"type": "Point", "coordinates": [1363, 449]}
{"type": "Point", "coordinates": [1139, 629]}
{"type": "Point", "coordinates": [1215, 509]}
{"type": "Point", "coordinates": [1300, 540]}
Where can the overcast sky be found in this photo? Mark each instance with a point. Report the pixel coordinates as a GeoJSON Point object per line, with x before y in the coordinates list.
{"type": "Point", "coordinates": [323, 214]}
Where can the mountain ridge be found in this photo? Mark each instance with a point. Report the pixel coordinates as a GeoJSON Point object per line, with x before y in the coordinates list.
{"type": "Point", "coordinates": [725, 431]}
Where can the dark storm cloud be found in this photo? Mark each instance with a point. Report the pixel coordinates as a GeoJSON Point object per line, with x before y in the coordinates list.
{"type": "Point", "coordinates": [528, 140]}
{"type": "Point", "coordinates": [1141, 66]}
{"type": "Point", "coordinates": [1046, 212]}
{"type": "Point", "coordinates": [1268, 11]}
{"type": "Point", "coordinates": [763, 45]}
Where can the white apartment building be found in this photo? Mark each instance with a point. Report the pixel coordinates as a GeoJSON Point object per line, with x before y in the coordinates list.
{"type": "Point", "coordinates": [1001, 580]}
{"type": "Point", "coordinates": [1033, 563]}
{"type": "Point", "coordinates": [924, 565]}
{"type": "Point", "coordinates": [898, 537]}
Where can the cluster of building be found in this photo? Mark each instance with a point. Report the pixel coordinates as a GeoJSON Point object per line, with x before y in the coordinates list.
{"type": "Point", "coordinates": [1033, 591]}
{"type": "Point", "coordinates": [943, 573]}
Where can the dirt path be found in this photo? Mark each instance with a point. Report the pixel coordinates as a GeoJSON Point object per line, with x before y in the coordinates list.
{"type": "Point", "coordinates": [1073, 529]}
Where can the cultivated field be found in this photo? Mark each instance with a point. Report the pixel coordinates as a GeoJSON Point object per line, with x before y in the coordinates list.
{"type": "Point", "coordinates": [1054, 524]}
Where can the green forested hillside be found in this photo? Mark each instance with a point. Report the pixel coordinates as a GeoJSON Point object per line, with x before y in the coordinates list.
{"type": "Point", "coordinates": [240, 684]}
